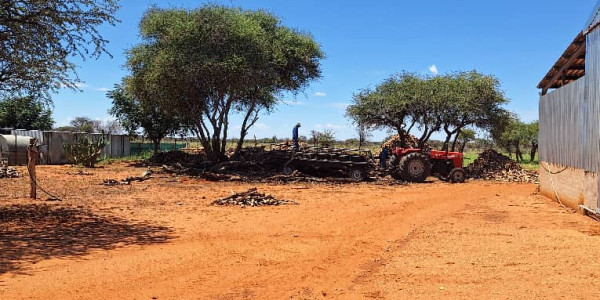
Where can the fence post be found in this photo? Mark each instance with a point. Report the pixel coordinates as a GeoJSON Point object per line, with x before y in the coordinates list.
{"type": "Point", "coordinates": [32, 155]}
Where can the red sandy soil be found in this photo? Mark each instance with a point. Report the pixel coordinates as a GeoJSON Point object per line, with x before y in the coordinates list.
{"type": "Point", "coordinates": [161, 239]}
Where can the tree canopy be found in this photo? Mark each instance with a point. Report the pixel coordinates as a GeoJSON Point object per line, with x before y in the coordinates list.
{"type": "Point", "coordinates": [38, 37]}
{"type": "Point", "coordinates": [205, 64]}
{"type": "Point", "coordinates": [85, 124]}
{"type": "Point", "coordinates": [449, 102]}
{"type": "Point", "coordinates": [25, 113]}
{"type": "Point", "coordinates": [515, 135]}
{"type": "Point", "coordinates": [134, 114]}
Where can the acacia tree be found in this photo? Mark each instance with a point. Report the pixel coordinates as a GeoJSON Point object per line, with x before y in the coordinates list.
{"type": "Point", "coordinates": [517, 134]}
{"type": "Point", "coordinates": [449, 103]}
{"type": "Point", "coordinates": [207, 63]}
{"type": "Point", "coordinates": [471, 99]}
{"type": "Point", "coordinates": [38, 37]}
{"type": "Point", "coordinates": [85, 124]}
{"type": "Point", "coordinates": [25, 113]}
{"type": "Point", "coordinates": [134, 114]}
{"type": "Point", "coordinates": [390, 105]}
{"type": "Point", "coordinates": [531, 137]}
{"type": "Point", "coordinates": [363, 135]}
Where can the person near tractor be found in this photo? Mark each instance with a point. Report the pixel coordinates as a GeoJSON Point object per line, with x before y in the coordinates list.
{"type": "Point", "coordinates": [383, 156]}
{"type": "Point", "coordinates": [295, 145]}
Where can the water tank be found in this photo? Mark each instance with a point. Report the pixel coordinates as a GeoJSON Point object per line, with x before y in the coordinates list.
{"type": "Point", "coordinates": [14, 148]}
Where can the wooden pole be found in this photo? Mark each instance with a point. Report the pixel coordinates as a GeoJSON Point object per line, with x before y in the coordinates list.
{"type": "Point", "coordinates": [31, 155]}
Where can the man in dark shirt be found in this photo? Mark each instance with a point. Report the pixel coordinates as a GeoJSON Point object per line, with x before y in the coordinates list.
{"type": "Point", "coordinates": [295, 137]}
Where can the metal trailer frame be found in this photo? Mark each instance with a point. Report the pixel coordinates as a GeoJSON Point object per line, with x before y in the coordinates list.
{"type": "Point", "coordinates": [356, 163]}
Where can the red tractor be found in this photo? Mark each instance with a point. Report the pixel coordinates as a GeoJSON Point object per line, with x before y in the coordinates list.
{"type": "Point", "coordinates": [415, 165]}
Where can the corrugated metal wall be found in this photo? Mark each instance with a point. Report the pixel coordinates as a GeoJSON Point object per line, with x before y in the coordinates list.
{"type": "Point", "coordinates": [561, 125]}
{"type": "Point", "coordinates": [38, 134]}
{"type": "Point", "coordinates": [591, 107]}
{"type": "Point", "coordinates": [119, 145]}
{"type": "Point", "coordinates": [51, 144]}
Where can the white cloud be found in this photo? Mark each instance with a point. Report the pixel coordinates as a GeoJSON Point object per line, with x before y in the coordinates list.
{"type": "Point", "coordinates": [320, 94]}
{"type": "Point", "coordinates": [81, 85]}
{"type": "Point", "coordinates": [102, 89]}
{"type": "Point", "coordinates": [333, 126]}
{"type": "Point", "coordinates": [433, 69]}
{"type": "Point", "coordinates": [292, 102]}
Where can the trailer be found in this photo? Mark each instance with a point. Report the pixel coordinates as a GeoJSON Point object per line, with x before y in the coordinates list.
{"type": "Point", "coordinates": [353, 163]}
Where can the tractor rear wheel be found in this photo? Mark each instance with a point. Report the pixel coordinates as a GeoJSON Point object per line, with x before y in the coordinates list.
{"type": "Point", "coordinates": [414, 167]}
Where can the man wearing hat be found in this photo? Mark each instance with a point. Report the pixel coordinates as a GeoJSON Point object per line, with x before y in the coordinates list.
{"type": "Point", "coordinates": [295, 137]}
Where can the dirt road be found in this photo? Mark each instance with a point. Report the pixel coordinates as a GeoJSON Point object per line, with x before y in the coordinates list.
{"type": "Point", "coordinates": [161, 239]}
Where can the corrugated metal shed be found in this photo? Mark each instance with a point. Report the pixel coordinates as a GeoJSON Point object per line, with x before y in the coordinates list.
{"type": "Point", "coordinates": [17, 148]}
{"type": "Point", "coordinates": [561, 125]}
{"type": "Point", "coordinates": [3, 150]}
{"type": "Point", "coordinates": [38, 134]}
{"type": "Point", "coordinates": [591, 107]}
{"type": "Point", "coordinates": [569, 67]}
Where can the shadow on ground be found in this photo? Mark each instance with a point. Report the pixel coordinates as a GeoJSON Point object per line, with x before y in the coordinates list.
{"type": "Point", "coordinates": [34, 232]}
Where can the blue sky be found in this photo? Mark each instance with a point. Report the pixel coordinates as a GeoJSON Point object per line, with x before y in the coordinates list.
{"type": "Point", "coordinates": [365, 42]}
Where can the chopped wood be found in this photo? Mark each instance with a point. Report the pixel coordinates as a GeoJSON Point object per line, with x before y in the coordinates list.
{"type": "Point", "coordinates": [126, 181]}
{"type": "Point", "coordinates": [491, 165]}
{"type": "Point", "coordinates": [251, 198]}
{"type": "Point", "coordinates": [9, 172]}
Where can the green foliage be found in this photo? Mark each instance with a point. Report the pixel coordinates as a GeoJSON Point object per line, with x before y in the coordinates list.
{"type": "Point", "coordinates": [517, 134]}
{"type": "Point", "coordinates": [25, 113]}
{"type": "Point", "coordinates": [450, 102]}
{"type": "Point", "coordinates": [465, 136]}
{"type": "Point", "coordinates": [207, 63]}
{"type": "Point", "coordinates": [85, 151]}
{"type": "Point", "coordinates": [85, 124]}
{"type": "Point", "coordinates": [325, 138]}
{"type": "Point", "coordinates": [133, 114]}
{"type": "Point", "coordinates": [38, 37]}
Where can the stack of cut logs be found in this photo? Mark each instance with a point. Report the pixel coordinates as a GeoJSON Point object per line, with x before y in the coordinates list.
{"type": "Point", "coordinates": [252, 198]}
{"type": "Point", "coordinates": [8, 172]}
{"type": "Point", "coordinates": [491, 165]}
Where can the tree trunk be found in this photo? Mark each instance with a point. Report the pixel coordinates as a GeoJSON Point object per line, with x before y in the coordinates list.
{"type": "Point", "coordinates": [534, 147]}
{"type": "Point", "coordinates": [402, 135]}
{"type": "Point", "coordinates": [455, 139]}
{"type": "Point", "coordinates": [245, 127]}
{"type": "Point", "coordinates": [156, 143]}
{"type": "Point", "coordinates": [518, 154]}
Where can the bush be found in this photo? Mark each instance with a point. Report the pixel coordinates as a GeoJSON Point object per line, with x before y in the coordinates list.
{"type": "Point", "coordinates": [85, 151]}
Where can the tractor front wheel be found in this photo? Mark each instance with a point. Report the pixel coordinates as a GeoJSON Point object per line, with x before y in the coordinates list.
{"type": "Point", "coordinates": [457, 175]}
{"type": "Point", "coordinates": [414, 167]}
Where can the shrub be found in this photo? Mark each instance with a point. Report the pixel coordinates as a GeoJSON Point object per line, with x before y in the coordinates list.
{"type": "Point", "coordinates": [85, 151]}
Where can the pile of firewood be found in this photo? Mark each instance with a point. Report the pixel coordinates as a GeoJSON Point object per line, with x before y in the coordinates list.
{"type": "Point", "coordinates": [252, 198]}
{"type": "Point", "coordinates": [411, 141]}
{"type": "Point", "coordinates": [9, 172]}
{"type": "Point", "coordinates": [126, 181]}
{"type": "Point", "coordinates": [178, 157]}
{"type": "Point", "coordinates": [491, 165]}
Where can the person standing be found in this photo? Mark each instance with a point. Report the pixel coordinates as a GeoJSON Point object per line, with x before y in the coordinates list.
{"type": "Point", "coordinates": [383, 157]}
{"type": "Point", "coordinates": [295, 145]}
